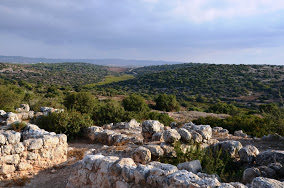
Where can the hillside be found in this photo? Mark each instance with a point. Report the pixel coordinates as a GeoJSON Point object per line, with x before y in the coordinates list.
{"type": "Point", "coordinates": [105, 62]}
{"type": "Point", "coordinates": [237, 82]}
{"type": "Point", "coordinates": [56, 73]}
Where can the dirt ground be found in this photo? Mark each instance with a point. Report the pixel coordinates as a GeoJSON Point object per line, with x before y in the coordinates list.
{"type": "Point", "coordinates": [57, 177]}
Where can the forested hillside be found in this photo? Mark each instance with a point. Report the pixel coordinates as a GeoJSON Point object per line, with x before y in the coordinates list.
{"type": "Point", "coordinates": [55, 73]}
{"type": "Point", "coordinates": [258, 82]}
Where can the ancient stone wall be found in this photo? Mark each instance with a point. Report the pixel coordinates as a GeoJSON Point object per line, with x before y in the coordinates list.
{"type": "Point", "coordinates": [29, 151]}
{"type": "Point", "coordinates": [110, 171]}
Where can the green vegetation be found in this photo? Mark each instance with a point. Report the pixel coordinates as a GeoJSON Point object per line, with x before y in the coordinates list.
{"type": "Point", "coordinates": [81, 101]}
{"type": "Point", "coordinates": [135, 103]}
{"type": "Point", "coordinates": [212, 162]}
{"type": "Point", "coordinates": [223, 108]}
{"type": "Point", "coordinates": [208, 82]}
{"type": "Point", "coordinates": [167, 103]}
{"type": "Point", "coordinates": [110, 79]}
{"type": "Point", "coordinates": [70, 123]}
{"type": "Point", "coordinates": [269, 122]}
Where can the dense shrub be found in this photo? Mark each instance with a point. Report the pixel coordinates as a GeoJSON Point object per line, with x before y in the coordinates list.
{"type": "Point", "coordinates": [109, 112]}
{"type": "Point", "coordinates": [223, 108]}
{"type": "Point", "coordinates": [212, 163]}
{"type": "Point", "coordinates": [83, 102]}
{"type": "Point", "coordinates": [10, 97]}
{"type": "Point", "coordinates": [167, 103]}
{"type": "Point", "coordinates": [70, 123]}
{"type": "Point", "coordinates": [135, 103]}
{"type": "Point", "coordinates": [250, 124]}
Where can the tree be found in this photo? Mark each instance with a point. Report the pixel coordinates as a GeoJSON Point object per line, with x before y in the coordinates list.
{"type": "Point", "coordinates": [83, 102]}
{"type": "Point", "coordinates": [167, 103]}
{"type": "Point", "coordinates": [135, 103]}
{"type": "Point", "coordinates": [70, 123]}
{"type": "Point", "coordinates": [109, 112]}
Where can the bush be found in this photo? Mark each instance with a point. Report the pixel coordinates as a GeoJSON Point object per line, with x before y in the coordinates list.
{"type": "Point", "coordinates": [83, 102]}
{"type": "Point", "coordinates": [223, 108]}
{"type": "Point", "coordinates": [135, 103]}
{"type": "Point", "coordinates": [167, 103]}
{"type": "Point", "coordinates": [109, 112]}
{"type": "Point", "coordinates": [70, 123]}
{"type": "Point", "coordinates": [10, 98]}
{"type": "Point", "coordinates": [212, 163]}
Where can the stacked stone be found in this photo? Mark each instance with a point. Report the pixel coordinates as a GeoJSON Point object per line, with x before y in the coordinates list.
{"type": "Point", "coordinates": [100, 171]}
{"type": "Point", "coordinates": [109, 137]}
{"type": "Point", "coordinates": [33, 153]}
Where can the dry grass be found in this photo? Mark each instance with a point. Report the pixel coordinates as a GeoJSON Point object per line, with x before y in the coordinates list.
{"type": "Point", "coordinates": [77, 153]}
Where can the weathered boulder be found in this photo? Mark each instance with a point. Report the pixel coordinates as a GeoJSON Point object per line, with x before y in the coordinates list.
{"type": "Point", "coordinates": [196, 137]}
{"type": "Point", "coordinates": [185, 135]}
{"type": "Point", "coordinates": [230, 146]}
{"type": "Point", "coordinates": [132, 124]}
{"type": "Point", "coordinates": [156, 150]}
{"type": "Point", "coordinates": [169, 150]}
{"type": "Point", "coordinates": [249, 174]}
{"type": "Point", "coordinates": [270, 156]}
{"type": "Point", "coordinates": [204, 130]}
{"type": "Point", "coordinates": [248, 153]}
{"type": "Point", "coordinates": [192, 166]}
{"type": "Point", "coordinates": [171, 136]}
{"type": "Point", "coordinates": [261, 182]}
{"type": "Point", "coordinates": [23, 108]}
{"type": "Point", "coordinates": [157, 137]}
{"type": "Point", "coordinates": [2, 113]}
{"type": "Point", "coordinates": [272, 137]}
{"type": "Point", "coordinates": [150, 127]}
{"type": "Point", "coordinates": [267, 172]}
{"type": "Point", "coordinates": [240, 133]}
{"type": "Point", "coordinates": [141, 155]}
{"type": "Point", "coordinates": [13, 137]}
{"type": "Point", "coordinates": [173, 125]}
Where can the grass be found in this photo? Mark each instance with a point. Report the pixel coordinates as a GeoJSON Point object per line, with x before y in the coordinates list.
{"type": "Point", "coordinates": [110, 79]}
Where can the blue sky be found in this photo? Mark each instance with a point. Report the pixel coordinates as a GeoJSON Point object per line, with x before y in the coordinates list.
{"type": "Point", "coordinates": [207, 31]}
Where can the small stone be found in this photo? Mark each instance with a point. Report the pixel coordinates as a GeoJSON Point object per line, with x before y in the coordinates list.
{"type": "Point", "coordinates": [171, 136]}
{"type": "Point", "coordinates": [248, 153]}
{"type": "Point", "coordinates": [141, 155]}
{"type": "Point", "coordinates": [192, 166]}
{"type": "Point", "coordinates": [53, 171]}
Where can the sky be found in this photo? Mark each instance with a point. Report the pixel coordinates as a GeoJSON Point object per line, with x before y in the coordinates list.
{"type": "Point", "coordinates": [205, 31]}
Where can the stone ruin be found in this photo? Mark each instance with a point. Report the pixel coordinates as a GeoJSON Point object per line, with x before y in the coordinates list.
{"type": "Point", "coordinates": [141, 170]}
{"type": "Point", "coordinates": [33, 149]}
{"type": "Point", "coordinates": [30, 150]}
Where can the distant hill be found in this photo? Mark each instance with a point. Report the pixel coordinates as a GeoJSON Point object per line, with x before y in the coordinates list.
{"type": "Point", "coordinates": [72, 74]}
{"type": "Point", "coordinates": [233, 82]}
{"type": "Point", "coordinates": [106, 62]}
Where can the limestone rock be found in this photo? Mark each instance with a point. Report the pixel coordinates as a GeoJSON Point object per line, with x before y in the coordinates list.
{"type": "Point", "coordinates": [261, 182]}
{"type": "Point", "coordinates": [141, 155]}
{"type": "Point", "coordinates": [169, 150]}
{"type": "Point", "coordinates": [270, 156]}
{"type": "Point", "coordinates": [13, 137]}
{"type": "Point", "coordinates": [231, 147]}
{"type": "Point", "coordinates": [249, 174]}
{"type": "Point", "coordinates": [171, 136]}
{"type": "Point", "coordinates": [240, 133]}
{"type": "Point", "coordinates": [248, 153]}
{"type": "Point", "coordinates": [149, 127]}
{"type": "Point", "coordinates": [7, 169]}
{"type": "Point", "coordinates": [185, 135]}
{"type": "Point", "coordinates": [196, 137]}
{"type": "Point", "coordinates": [156, 150]}
{"type": "Point", "coordinates": [192, 166]}
{"type": "Point", "coordinates": [204, 130]}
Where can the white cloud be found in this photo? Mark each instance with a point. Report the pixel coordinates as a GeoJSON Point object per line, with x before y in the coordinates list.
{"type": "Point", "coordinates": [208, 10]}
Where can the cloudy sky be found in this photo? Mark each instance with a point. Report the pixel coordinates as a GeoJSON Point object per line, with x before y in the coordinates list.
{"type": "Point", "coordinates": [208, 31]}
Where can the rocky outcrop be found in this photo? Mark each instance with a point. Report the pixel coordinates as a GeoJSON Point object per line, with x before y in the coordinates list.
{"type": "Point", "coordinates": [261, 182]}
{"type": "Point", "coordinates": [248, 153]}
{"type": "Point", "coordinates": [230, 147]}
{"type": "Point", "coordinates": [150, 127]}
{"type": "Point", "coordinates": [270, 156]}
{"type": "Point", "coordinates": [101, 171]}
{"type": "Point", "coordinates": [29, 151]}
